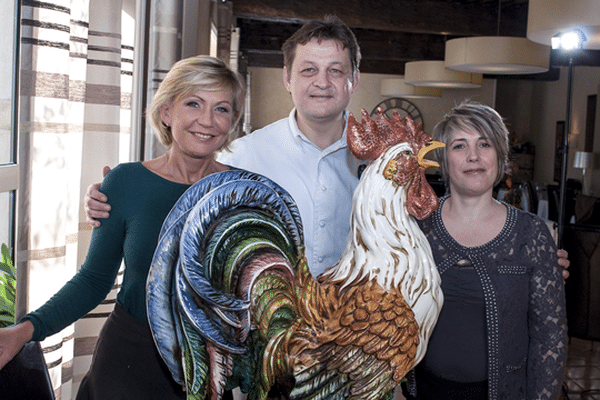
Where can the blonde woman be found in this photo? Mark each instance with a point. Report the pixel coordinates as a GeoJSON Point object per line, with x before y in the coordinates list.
{"type": "Point", "coordinates": [193, 113]}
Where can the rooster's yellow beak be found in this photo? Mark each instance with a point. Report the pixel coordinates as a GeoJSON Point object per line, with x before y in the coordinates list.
{"type": "Point", "coordinates": [424, 163]}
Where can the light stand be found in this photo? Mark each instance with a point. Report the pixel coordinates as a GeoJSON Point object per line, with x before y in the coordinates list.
{"type": "Point", "coordinates": [568, 41]}
{"type": "Point", "coordinates": [565, 160]}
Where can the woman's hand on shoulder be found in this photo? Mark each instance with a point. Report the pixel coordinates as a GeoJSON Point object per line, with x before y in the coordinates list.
{"type": "Point", "coordinates": [12, 340]}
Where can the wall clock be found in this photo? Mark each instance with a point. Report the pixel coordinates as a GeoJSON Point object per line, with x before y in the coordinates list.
{"type": "Point", "coordinates": [403, 106]}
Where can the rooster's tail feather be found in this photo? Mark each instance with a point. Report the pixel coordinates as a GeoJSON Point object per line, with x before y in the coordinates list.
{"type": "Point", "coordinates": [229, 233]}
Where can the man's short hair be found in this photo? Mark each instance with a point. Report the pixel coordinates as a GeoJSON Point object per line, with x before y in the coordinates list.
{"type": "Point", "coordinates": [331, 28]}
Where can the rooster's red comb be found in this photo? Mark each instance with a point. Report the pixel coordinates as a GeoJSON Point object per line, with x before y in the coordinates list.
{"type": "Point", "coordinates": [368, 139]}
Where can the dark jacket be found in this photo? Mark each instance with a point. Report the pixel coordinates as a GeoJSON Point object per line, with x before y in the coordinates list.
{"type": "Point", "coordinates": [525, 304]}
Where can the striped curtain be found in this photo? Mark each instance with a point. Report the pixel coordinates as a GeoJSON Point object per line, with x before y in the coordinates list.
{"type": "Point", "coordinates": [75, 93]}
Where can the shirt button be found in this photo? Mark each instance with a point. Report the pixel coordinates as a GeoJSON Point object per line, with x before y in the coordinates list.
{"type": "Point", "coordinates": [323, 188]}
{"type": "Point", "coordinates": [320, 259]}
{"type": "Point", "coordinates": [322, 224]}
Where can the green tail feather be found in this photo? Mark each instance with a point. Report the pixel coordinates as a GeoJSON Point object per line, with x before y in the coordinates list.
{"type": "Point", "coordinates": [195, 363]}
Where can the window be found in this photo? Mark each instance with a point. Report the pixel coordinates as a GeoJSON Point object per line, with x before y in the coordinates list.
{"type": "Point", "coordinates": [9, 172]}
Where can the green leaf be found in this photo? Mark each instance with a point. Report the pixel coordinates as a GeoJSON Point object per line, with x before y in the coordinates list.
{"type": "Point", "coordinates": [7, 305]}
{"type": "Point", "coordinates": [7, 279]}
{"type": "Point", "coordinates": [4, 301]}
{"type": "Point", "coordinates": [8, 288]}
{"type": "Point", "coordinates": [8, 284]}
{"type": "Point", "coordinates": [7, 264]}
{"type": "Point", "coordinates": [6, 320]}
{"type": "Point", "coordinates": [6, 257]}
{"type": "Point", "coordinates": [6, 269]}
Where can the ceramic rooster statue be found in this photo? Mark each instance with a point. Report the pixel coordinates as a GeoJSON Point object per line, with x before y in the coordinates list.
{"type": "Point", "coordinates": [231, 301]}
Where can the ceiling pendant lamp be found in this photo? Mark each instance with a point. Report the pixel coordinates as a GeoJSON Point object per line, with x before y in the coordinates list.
{"type": "Point", "coordinates": [547, 18]}
{"type": "Point", "coordinates": [497, 55]}
{"type": "Point", "coordinates": [435, 74]}
{"type": "Point", "coordinates": [397, 87]}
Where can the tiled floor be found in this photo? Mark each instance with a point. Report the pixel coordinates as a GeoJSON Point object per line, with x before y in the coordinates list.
{"type": "Point", "coordinates": [583, 370]}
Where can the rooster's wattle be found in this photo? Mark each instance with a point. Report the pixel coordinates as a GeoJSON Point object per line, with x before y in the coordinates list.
{"type": "Point", "coordinates": [231, 301]}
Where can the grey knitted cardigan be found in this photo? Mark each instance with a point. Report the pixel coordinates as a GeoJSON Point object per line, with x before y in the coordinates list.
{"type": "Point", "coordinates": [524, 299]}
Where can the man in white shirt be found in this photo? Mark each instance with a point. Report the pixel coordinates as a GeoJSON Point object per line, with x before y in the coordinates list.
{"type": "Point", "coordinates": [307, 153]}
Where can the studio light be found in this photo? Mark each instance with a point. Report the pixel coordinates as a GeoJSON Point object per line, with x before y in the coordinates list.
{"type": "Point", "coordinates": [547, 18]}
{"type": "Point", "coordinates": [566, 25]}
{"type": "Point", "coordinates": [570, 40]}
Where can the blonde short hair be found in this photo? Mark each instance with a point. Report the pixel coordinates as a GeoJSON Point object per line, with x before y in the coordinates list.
{"type": "Point", "coordinates": [185, 78]}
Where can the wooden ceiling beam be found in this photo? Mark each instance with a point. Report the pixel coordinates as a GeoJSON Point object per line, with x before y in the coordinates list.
{"type": "Point", "coordinates": [441, 17]}
{"type": "Point", "coordinates": [382, 51]}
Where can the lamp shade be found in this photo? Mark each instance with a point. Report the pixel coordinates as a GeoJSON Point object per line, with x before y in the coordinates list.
{"type": "Point", "coordinates": [583, 159]}
{"type": "Point", "coordinates": [549, 17]}
{"type": "Point", "coordinates": [435, 74]}
{"type": "Point", "coordinates": [500, 55]}
{"type": "Point", "coordinates": [396, 87]}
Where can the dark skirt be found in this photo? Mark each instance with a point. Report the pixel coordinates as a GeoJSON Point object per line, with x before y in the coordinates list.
{"type": "Point", "coordinates": [127, 365]}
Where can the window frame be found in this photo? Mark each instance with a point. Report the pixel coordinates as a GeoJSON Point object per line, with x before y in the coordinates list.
{"type": "Point", "coordinates": [9, 171]}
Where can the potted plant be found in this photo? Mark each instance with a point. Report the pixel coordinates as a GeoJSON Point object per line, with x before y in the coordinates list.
{"type": "Point", "coordinates": [8, 288]}
{"type": "Point", "coordinates": [26, 375]}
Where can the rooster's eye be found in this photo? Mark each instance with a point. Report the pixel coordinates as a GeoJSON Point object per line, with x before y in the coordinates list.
{"type": "Point", "coordinates": [407, 153]}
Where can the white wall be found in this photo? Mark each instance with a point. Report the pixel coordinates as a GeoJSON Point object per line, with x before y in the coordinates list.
{"type": "Point", "coordinates": [269, 99]}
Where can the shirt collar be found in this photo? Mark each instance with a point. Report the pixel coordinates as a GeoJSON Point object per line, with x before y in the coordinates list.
{"type": "Point", "coordinates": [341, 143]}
